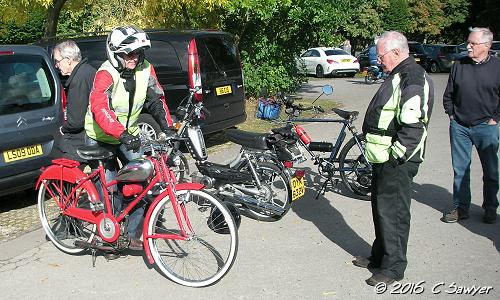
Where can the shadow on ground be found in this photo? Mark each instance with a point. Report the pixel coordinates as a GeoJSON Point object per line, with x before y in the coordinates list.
{"type": "Point", "coordinates": [440, 199]}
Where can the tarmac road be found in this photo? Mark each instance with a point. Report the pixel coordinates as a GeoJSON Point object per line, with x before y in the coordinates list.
{"type": "Point", "coordinates": [306, 255]}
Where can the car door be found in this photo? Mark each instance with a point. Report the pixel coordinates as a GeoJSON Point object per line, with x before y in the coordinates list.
{"type": "Point", "coordinates": [305, 61]}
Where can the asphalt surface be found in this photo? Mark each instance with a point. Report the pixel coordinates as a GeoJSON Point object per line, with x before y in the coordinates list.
{"type": "Point", "coordinates": [307, 254]}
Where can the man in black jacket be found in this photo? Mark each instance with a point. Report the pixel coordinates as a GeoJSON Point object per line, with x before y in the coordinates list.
{"type": "Point", "coordinates": [472, 101]}
{"type": "Point", "coordinates": [395, 126]}
{"type": "Point", "coordinates": [68, 59]}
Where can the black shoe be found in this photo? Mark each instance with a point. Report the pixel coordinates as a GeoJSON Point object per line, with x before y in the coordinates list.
{"type": "Point", "coordinates": [135, 244]}
{"type": "Point", "coordinates": [364, 262]}
{"type": "Point", "coordinates": [378, 278]}
{"type": "Point", "coordinates": [490, 216]}
{"type": "Point", "coordinates": [455, 215]}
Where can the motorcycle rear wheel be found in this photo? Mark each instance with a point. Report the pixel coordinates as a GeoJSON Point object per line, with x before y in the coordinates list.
{"type": "Point", "coordinates": [370, 78]}
{"type": "Point", "coordinates": [278, 184]}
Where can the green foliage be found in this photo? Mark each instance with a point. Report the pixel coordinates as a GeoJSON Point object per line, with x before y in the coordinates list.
{"type": "Point", "coordinates": [13, 32]}
{"type": "Point", "coordinates": [397, 16]}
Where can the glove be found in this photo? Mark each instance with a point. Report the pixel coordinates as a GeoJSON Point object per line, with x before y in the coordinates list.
{"type": "Point", "coordinates": [131, 142]}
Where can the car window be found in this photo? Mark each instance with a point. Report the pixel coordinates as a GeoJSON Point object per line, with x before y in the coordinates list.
{"type": "Point", "coordinates": [462, 47]}
{"type": "Point", "coordinates": [336, 52]}
{"type": "Point", "coordinates": [217, 53]}
{"type": "Point", "coordinates": [308, 53]}
{"type": "Point", "coordinates": [448, 49]}
{"type": "Point", "coordinates": [26, 84]}
{"type": "Point", "coordinates": [94, 51]}
{"type": "Point", "coordinates": [415, 48]}
{"type": "Point", "coordinates": [315, 53]}
{"type": "Point", "coordinates": [495, 46]}
{"type": "Point", "coordinates": [163, 56]}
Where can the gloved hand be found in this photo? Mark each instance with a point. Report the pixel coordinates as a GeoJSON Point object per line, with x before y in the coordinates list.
{"type": "Point", "coordinates": [131, 142]}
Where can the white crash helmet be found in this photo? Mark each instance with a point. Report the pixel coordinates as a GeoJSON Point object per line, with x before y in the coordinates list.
{"type": "Point", "coordinates": [126, 40]}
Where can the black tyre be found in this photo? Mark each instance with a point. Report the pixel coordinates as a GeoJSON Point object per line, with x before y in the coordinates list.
{"type": "Point", "coordinates": [434, 68]}
{"type": "Point", "coordinates": [279, 192]}
{"type": "Point", "coordinates": [60, 228]}
{"type": "Point", "coordinates": [370, 78]}
{"type": "Point", "coordinates": [355, 170]}
{"type": "Point", "coordinates": [320, 73]}
{"type": "Point", "coordinates": [148, 126]}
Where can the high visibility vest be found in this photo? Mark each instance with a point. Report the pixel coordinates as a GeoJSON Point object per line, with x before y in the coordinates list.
{"type": "Point", "coordinates": [119, 103]}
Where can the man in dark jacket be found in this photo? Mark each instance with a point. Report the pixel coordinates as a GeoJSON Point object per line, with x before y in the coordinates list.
{"type": "Point", "coordinates": [395, 125]}
{"type": "Point", "coordinates": [68, 60]}
{"type": "Point", "coordinates": [472, 101]}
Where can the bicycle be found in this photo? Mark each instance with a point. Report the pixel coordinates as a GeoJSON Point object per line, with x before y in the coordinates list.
{"type": "Point", "coordinates": [189, 234]}
{"type": "Point", "coordinates": [348, 159]}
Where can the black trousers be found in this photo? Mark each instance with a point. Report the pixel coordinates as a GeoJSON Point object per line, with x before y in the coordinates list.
{"type": "Point", "coordinates": [391, 216]}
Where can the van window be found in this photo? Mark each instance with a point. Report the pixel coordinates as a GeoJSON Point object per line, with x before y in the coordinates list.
{"type": "Point", "coordinates": [26, 84]}
{"type": "Point", "coordinates": [163, 57]}
{"type": "Point", "coordinates": [94, 51]}
{"type": "Point", "coordinates": [217, 54]}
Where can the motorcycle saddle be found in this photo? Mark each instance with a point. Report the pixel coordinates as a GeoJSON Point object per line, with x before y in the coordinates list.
{"type": "Point", "coordinates": [248, 139]}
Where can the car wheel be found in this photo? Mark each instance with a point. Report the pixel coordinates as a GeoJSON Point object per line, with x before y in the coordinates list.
{"type": "Point", "coordinates": [434, 68]}
{"type": "Point", "coordinates": [319, 71]}
{"type": "Point", "coordinates": [148, 126]}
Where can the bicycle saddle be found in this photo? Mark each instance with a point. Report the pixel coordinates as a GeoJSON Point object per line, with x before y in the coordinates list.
{"type": "Point", "coordinates": [93, 153]}
{"type": "Point", "coordinates": [344, 114]}
{"type": "Point", "coordinates": [248, 139]}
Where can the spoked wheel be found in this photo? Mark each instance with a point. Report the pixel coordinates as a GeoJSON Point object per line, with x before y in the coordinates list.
{"type": "Point", "coordinates": [179, 164]}
{"type": "Point", "coordinates": [63, 230]}
{"type": "Point", "coordinates": [370, 78]}
{"type": "Point", "coordinates": [211, 245]}
{"type": "Point", "coordinates": [355, 171]}
{"type": "Point", "coordinates": [278, 192]}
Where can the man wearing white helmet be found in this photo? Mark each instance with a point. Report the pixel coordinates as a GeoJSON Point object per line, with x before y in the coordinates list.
{"type": "Point", "coordinates": [123, 85]}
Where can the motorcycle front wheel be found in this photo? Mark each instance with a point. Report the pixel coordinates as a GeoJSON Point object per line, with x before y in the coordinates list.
{"type": "Point", "coordinates": [278, 192]}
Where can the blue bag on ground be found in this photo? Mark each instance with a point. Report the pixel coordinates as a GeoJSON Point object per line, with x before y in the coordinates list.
{"type": "Point", "coordinates": [267, 109]}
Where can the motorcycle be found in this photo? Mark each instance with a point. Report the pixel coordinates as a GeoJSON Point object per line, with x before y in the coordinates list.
{"type": "Point", "coordinates": [259, 189]}
{"type": "Point", "coordinates": [374, 73]}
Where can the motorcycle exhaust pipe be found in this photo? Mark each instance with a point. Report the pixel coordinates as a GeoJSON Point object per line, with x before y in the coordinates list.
{"type": "Point", "coordinates": [255, 204]}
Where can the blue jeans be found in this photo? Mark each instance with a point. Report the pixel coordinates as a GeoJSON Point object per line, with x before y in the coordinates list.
{"type": "Point", "coordinates": [485, 138]}
{"type": "Point", "coordinates": [111, 167]}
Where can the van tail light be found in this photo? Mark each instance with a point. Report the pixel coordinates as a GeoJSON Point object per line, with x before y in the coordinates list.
{"type": "Point", "coordinates": [63, 102]}
{"type": "Point", "coordinates": [194, 72]}
{"type": "Point", "coordinates": [6, 52]}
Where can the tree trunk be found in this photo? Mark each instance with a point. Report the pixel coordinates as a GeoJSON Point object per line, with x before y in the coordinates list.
{"type": "Point", "coordinates": [185, 13]}
{"type": "Point", "coordinates": [53, 13]}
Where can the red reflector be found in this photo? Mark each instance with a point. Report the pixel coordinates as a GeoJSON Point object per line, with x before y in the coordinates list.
{"type": "Point", "coordinates": [288, 164]}
{"type": "Point", "coordinates": [300, 173]}
{"type": "Point", "coordinates": [6, 52]}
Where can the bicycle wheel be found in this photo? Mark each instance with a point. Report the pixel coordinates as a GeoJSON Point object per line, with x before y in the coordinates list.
{"type": "Point", "coordinates": [355, 171]}
{"type": "Point", "coordinates": [277, 191]}
{"type": "Point", "coordinates": [210, 249]}
{"type": "Point", "coordinates": [179, 164]}
{"type": "Point", "coordinates": [64, 230]}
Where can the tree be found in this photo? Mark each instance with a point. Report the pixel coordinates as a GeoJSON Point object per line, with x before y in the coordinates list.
{"type": "Point", "coordinates": [396, 16]}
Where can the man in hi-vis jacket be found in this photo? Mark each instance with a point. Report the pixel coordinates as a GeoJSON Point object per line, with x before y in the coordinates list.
{"type": "Point", "coordinates": [395, 125]}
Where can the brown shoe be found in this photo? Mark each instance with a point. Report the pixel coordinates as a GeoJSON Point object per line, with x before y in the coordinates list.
{"type": "Point", "coordinates": [364, 262]}
{"type": "Point", "coordinates": [135, 244]}
{"type": "Point", "coordinates": [378, 278]}
{"type": "Point", "coordinates": [455, 215]}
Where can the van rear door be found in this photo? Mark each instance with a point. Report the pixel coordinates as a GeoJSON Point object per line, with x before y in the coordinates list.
{"type": "Point", "coordinates": [222, 79]}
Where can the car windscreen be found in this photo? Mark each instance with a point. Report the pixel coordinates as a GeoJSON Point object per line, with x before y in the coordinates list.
{"type": "Point", "coordinates": [335, 52]}
{"type": "Point", "coordinates": [26, 84]}
{"type": "Point", "coordinates": [217, 53]}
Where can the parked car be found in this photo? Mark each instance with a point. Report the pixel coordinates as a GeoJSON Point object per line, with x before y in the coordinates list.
{"type": "Point", "coordinates": [418, 52]}
{"type": "Point", "coordinates": [495, 48]}
{"type": "Point", "coordinates": [323, 61]}
{"type": "Point", "coordinates": [183, 59]}
{"type": "Point", "coordinates": [438, 58]}
{"type": "Point", "coordinates": [30, 115]}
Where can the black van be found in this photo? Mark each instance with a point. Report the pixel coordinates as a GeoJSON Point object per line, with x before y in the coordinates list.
{"type": "Point", "coordinates": [183, 59]}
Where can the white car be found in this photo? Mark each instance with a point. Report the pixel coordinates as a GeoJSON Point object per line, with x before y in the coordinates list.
{"type": "Point", "coordinates": [323, 61]}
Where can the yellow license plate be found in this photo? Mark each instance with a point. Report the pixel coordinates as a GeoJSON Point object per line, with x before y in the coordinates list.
{"type": "Point", "coordinates": [22, 153]}
{"type": "Point", "coordinates": [223, 90]}
{"type": "Point", "coordinates": [298, 188]}
{"type": "Point", "coordinates": [345, 60]}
